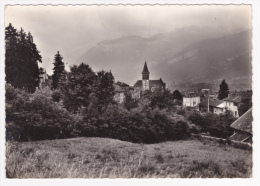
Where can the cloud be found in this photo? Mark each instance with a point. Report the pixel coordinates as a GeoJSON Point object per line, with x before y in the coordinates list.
{"type": "Point", "coordinates": [74, 29]}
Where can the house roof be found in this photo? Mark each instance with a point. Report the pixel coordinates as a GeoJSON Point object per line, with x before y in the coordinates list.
{"type": "Point", "coordinates": [121, 84]}
{"type": "Point", "coordinates": [244, 123]}
{"type": "Point", "coordinates": [152, 83]}
{"type": "Point", "coordinates": [138, 83]}
{"type": "Point", "coordinates": [233, 98]}
{"type": "Point", "coordinates": [145, 69]}
{"type": "Point", "coordinates": [213, 103]}
{"type": "Point", "coordinates": [191, 95]}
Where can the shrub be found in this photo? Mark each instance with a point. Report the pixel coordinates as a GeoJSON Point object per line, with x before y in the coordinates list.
{"type": "Point", "coordinates": [216, 125]}
{"type": "Point", "coordinates": [36, 118]}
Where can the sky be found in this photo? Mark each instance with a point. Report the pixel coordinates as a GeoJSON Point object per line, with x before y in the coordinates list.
{"type": "Point", "coordinates": [73, 30]}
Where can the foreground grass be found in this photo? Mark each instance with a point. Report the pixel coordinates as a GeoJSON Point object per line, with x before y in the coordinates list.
{"type": "Point", "coordinates": [109, 158]}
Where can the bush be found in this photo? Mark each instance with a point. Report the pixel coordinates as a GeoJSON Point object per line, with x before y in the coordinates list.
{"type": "Point", "coordinates": [36, 117]}
{"type": "Point", "coordinates": [137, 125]}
{"type": "Point", "coordinates": [216, 125]}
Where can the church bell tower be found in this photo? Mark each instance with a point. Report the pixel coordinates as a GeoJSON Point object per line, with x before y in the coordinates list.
{"type": "Point", "coordinates": [145, 77]}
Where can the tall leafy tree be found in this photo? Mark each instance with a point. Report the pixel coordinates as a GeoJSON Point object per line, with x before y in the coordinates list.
{"type": "Point", "coordinates": [105, 88]}
{"type": "Point", "coordinates": [78, 88]}
{"type": "Point", "coordinates": [223, 90]}
{"type": "Point", "coordinates": [177, 95]}
{"type": "Point", "coordinates": [58, 70]}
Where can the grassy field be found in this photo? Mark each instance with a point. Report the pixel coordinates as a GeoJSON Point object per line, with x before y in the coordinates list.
{"type": "Point", "coordinates": [109, 158]}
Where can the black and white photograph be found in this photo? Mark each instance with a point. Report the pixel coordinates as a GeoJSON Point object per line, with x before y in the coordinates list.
{"type": "Point", "coordinates": [128, 91]}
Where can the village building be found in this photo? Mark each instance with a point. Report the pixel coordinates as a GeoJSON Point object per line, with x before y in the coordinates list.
{"type": "Point", "coordinates": [215, 106]}
{"type": "Point", "coordinates": [232, 103]}
{"type": "Point", "coordinates": [45, 80]}
{"type": "Point", "coordinates": [243, 128]}
{"type": "Point", "coordinates": [146, 83]}
{"type": "Point", "coordinates": [120, 89]}
{"type": "Point", "coordinates": [191, 100]}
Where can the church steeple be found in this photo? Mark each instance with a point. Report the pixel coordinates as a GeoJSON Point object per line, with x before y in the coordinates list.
{"type": "Point", "coordinates": [145, 73]}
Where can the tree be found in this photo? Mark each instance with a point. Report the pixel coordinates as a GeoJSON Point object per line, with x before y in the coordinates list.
{"type": "Point", "coordinates": [105, 89]}
{"type": "Point", "coordinates": [129, 102]}
{"type": "Point", "coordinates": [246, 102]}
{"type": "Point", "coordinates": [21, 60]}
{"type": "Point", "coordinates": [78, 87]}
{"type": "Point", "coordinates": [58, 70]}
{"type": "Point", "coordinates": [177, 95]}
{"type": "Point", "coordinates": [223, 90]}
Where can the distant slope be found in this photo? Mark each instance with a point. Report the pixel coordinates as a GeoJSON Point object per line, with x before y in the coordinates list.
{"type": "Point", "coordinates": [212, 59]}
{"type": "Point", "coordinates": [189, 54]}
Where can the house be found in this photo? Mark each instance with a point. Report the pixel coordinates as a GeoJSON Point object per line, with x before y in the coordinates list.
{"type": "Point", "coordinates": [215, 106]}
{"type": "Point", "coordinates": [243, 128]}
{"type": "Point", "coordinates": [191, 100]}
{"type": "Point", "coordinates": [45, 80]}
{"type": "Point", "coordinates": [120, 89]}
{"type": "Point", "coordinates": [232, 103]}
{"type": "Point", "coordinates": [146, 83]}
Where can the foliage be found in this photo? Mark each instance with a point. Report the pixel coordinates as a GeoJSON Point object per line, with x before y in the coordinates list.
{"type": "Point", "coordinates": [58, 70]}
{"type": "Point", "coordinates": [36, 117]}
{"type": "Point", "coordinates": [78, 88]}
{"type": "Point", "coordinates": [223, 90]}
{"type": "Point", "coordinates": [140, 125]}
{"type": "Point", "coordinates": [246, 102]}
{"type": "Point", "coordinates": [21, 59]}
{"type": "Point", "coordinates": [216, 125]}
{"type": "Point", "coordinates": [129, 102]}
{"type": "Point", "coordinates": [221, 127]}
{"type": "Point", "coordinates": [105, 90]}
{"type": "Point", "coordinates": [177, 95]}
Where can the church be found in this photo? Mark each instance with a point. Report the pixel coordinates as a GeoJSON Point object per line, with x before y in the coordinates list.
{"type": "Point", "coordinates": [146, 83]}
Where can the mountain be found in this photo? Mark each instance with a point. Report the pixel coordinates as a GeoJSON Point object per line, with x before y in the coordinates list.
{"type": "Point", "coordinates": [191, 54]}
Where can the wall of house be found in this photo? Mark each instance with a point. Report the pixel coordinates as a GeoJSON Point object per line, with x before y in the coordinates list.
{"type": "Point", "coordinates": [119, 97]}
{"type": "Point", "coordinates": [217, 110]}
{"type": "Point", "coordinates": [191, 102]}
{"type": "Point", "coordinates": [232, 107]}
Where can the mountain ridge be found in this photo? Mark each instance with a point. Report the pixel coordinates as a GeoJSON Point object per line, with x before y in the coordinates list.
{"type": "Point", "coordinates": [167, 54]}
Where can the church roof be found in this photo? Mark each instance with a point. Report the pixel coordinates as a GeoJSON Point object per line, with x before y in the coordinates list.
{"type": "Point", "coordinates": [138, 83]}
{"type": "Point", "coordinates": [152, 83]}
{"type": "Point", "coordinates": [145, 68]}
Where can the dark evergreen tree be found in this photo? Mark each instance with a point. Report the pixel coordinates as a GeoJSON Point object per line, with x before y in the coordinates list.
{"type": "Point", "coordinates": [223, 90]}
{"type": "Point", "coordinates": [22, 59]}
{"type": "Point", "coordinates": [58, 70]}
{"type": "Point", "coordinates": [11, 58]}
{"type": "Point", "coordinates": [177, 95]}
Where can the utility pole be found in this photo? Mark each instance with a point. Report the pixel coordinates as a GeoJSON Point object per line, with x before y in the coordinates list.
{"type": "Point", "coordinates": [208, 100]}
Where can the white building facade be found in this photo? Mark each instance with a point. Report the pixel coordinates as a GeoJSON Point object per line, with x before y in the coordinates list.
{"type": "Point", "coordinates": [191, 100]}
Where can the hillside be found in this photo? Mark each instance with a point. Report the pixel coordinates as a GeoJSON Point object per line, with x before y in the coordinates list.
{"type": "Point", "coordinates": [191, 54]}
{"type": "Point", "coordinates": [109, 158]}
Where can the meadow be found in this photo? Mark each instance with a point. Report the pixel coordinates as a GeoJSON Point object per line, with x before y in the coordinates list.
{"type": "Point", "coordinates": [111, 158]}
